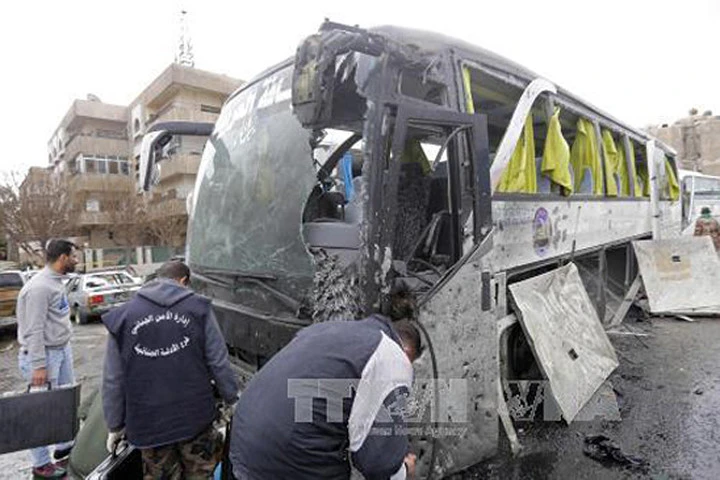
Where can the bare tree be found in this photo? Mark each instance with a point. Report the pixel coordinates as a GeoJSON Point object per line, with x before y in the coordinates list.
{"type": "Point", "coordinates": [36, 209]}
{"type": "Point", "coordinates": [168, 231]}
{"type": "Point", "coordinates": [127, 216]}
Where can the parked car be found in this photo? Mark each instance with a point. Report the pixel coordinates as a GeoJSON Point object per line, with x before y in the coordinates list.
{"type": "Point", "coordinates": [92, 294]}
{"type": "Point", "coordinates": [11, 281]}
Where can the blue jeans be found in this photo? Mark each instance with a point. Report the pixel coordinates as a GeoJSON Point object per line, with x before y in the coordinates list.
{"type": "Point", "coordinates": [59, 364]}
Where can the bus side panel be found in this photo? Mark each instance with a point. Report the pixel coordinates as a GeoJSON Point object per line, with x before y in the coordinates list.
{"type": "Point", "coordinates": [532, 231]}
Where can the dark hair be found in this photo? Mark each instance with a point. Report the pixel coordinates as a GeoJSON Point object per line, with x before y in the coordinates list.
{"type": "Point", "coordinates": [409, 335]}
{"type": "Point", "coordinates": [56, 247]}
{"type": "Point", "coordinates": [402, 305]}
{"type": "Point", "coordinates": [174, 270]}
{"type": "Point", "coordinates": [705, 211]}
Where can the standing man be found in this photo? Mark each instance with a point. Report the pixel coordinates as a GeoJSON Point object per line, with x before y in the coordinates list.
{"type": "Point", "coordinates": [43, 332]}
{"type": "Point", "coordinates": [334, 396]}
{"type": "Point", "coordinates": [163, 351]}
{"type": "Point", "coordinates": [707, 225]}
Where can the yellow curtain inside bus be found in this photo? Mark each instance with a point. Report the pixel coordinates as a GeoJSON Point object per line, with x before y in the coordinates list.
{"type": "Point", "coordinates": [467, 84]}
{"type": "Point", "coordinates": [519, 175]}
{"type": "Point", "coordinates": [584, 157]}
{"type": "Point", "coordinates": [627, 172]}
{"type": "Point", "coordinates": [556, 156]}
{"type": "Point", "coordinates": [673, 185]}
{"type": "Point", "coordinates": [612, 164]}
{"type": "Point", "coordinates": [635, 173]}
{"type": "Point", "coordinates": [414, 153]}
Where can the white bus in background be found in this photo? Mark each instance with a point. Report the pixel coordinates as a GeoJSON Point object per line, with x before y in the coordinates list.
{"type": "Point", "coordinates": [698, 191]}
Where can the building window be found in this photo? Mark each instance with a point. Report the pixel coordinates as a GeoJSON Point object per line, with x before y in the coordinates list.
{"type": "Point", "coordinates": [90, 165]}
{"type": "Point", "coordinates": [106, 164]}
{"type": "Point", "coordinates": [209, 109]}
{"type": "Point", "coordinates": [92, 205]}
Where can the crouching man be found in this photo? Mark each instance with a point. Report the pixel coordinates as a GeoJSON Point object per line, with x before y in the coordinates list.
{"type": "Point", "coordinates": [332, 398]}
{"type": "Point", "coordinates": [163, 350]}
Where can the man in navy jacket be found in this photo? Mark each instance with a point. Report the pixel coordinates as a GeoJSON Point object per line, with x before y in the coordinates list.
{"type": "Point", "coordinates": [334, 396]}
{"type": "Point", "coordinates": [163, 350]}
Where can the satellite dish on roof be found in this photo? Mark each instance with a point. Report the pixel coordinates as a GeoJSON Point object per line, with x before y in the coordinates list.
{"type": "Point", "coordinates": [93, 98]}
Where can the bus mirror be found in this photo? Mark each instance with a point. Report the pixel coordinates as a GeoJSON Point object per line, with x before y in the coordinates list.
{"type": "Point", "coordinates": [153, 142]}
{"type": "Point", "coordinates": [313, 82]}
{"type": "Point", "coordinates": [150, 154]}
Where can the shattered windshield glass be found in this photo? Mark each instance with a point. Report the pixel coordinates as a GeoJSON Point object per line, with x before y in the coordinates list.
{"type": "Point", "coordinates": [255, 176]}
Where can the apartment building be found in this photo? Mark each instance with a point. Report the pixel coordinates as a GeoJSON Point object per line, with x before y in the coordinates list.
{"type": "Point", "coordinates": [96, 148]}
{"type": "Point", "coordinates": [90, 148]}
{"type": "Point", "coordinates": [179, 93]}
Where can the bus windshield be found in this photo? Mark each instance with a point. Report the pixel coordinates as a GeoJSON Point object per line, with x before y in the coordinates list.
{"type": "Point", "coordinates": [256, 173]}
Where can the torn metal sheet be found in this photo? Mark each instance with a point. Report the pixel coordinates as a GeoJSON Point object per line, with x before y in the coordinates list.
{"type": "Point", "coordinates": [602, 405]}
{"type": "Point", "coordinates": [679, 274]}
{"type": "Point", "coordinates": [566, 336]}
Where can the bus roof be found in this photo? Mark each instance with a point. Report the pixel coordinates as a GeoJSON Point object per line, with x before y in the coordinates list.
{"type": "Point", "coordinates": [433, 43]}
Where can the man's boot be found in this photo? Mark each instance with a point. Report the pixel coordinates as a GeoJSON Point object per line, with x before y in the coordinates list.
{"type": "Point", "coordinates": [61, 457]}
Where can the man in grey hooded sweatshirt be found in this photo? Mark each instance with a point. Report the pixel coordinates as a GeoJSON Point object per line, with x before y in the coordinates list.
{"type": "Point", "coordinates": [163, 351]}
{"type": "Point", "coordinates": [44, 331]}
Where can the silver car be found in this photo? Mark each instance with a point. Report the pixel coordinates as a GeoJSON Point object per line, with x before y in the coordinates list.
{"type": "Point", "coordinates": [92, 294]}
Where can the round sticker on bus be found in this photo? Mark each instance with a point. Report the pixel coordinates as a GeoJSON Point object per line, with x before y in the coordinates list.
{"type": "Point", "coordinates": [542, 231]}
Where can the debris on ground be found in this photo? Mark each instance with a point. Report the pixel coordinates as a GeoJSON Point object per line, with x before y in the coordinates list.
{"type": "Point", "coordinates": [607, 452]}
{"type": "Point", "coordinates": [698, 391]}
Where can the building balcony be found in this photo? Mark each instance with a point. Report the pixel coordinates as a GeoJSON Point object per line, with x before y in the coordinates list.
{"type": "Point", "coordinates": [93, 145]}
{"type": "Point", "coordinates": [88, 219]}
{"type": "Point", "coordinates": [90, 182]}
{"type": "Point", "coordinates": [169, 207]}
{"type": "Point", "coordinates": [181, 164]}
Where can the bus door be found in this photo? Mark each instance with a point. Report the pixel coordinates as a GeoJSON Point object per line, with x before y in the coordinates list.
{"type": "Point", "coordinates": [455, 409]}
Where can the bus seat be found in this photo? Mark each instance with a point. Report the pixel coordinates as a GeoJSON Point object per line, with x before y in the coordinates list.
{"type": "Point", "coordinates": [544, 185]}
{"type": "Point", "coordinates": [587, 184]}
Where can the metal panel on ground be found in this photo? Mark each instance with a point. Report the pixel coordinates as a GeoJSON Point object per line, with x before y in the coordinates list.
{"type": "Point", "coordinates": [679, 274]}
{"type": "Point", "coordinates": [566, 336]}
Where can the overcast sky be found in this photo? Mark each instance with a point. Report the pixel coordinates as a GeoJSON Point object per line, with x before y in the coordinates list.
{"type": "Point", "coordinates": [642, 61]}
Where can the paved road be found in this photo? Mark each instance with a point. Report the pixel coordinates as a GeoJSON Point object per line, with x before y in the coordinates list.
{"type": "Point", "coordinates": [669, 386]}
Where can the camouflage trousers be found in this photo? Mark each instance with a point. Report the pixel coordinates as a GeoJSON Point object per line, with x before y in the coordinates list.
{"type": "Point", "coordinates": [192, 459]}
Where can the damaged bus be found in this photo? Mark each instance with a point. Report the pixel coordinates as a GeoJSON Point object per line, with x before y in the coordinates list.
{"type": "Point", "coordinates": [390, 157]}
